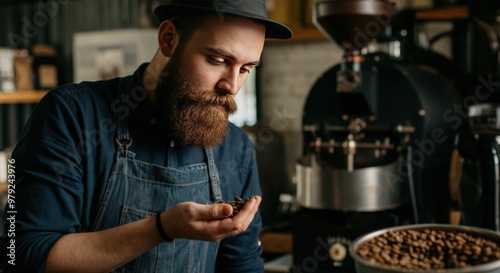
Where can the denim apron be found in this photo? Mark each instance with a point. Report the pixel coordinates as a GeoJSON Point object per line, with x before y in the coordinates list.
{"type": "Point", "coordinates": [137, 190]}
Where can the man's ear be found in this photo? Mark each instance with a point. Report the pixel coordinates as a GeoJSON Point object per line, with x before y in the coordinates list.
{"type": "Point", "coordinates": [167, 32]}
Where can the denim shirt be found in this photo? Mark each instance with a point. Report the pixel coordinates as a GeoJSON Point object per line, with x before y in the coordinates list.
{"type": "Point", "coordinates": [66, 153]}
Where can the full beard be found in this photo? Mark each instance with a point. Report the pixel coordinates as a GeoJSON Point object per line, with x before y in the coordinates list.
{"type": "Point", "coordinates": [188, 115]}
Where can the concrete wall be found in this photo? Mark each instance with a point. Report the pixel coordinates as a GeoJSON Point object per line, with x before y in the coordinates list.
{"type": "Point", "coordinates": [288, 73]}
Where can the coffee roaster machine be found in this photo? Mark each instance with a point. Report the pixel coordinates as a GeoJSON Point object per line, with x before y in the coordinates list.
{"type": "Point", "coordinates": [478, 143]}
{"type": "Point", "coordinates": [376, 140]}
{"type": "Point", "coordinates": [479, 147]}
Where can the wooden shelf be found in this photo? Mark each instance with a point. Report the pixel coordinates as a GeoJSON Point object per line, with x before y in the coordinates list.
{"type": "Point", "coordinates": [311, 34]}
{"type": "Point", "coordinates": [308, 34]}
{"type": "Point", "coordinates": [445, 13]}
{"type": "Point", "coordinates": [274, 242]}
{"type": "Point", "coordinates": [305, 34]}
{"type": "Point", "coordinates": [21, 97]}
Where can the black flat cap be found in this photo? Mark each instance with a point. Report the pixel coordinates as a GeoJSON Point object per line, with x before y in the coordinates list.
{"type": "Point", "coordinates": [254, 9]}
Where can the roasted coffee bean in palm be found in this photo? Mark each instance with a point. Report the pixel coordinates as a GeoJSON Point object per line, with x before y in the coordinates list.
{"type": "Point", "coordinates": [237, 204]}
{"type": "Point", "coordinates": [429, 249]}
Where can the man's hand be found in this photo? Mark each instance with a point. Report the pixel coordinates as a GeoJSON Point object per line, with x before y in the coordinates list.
{"type": "Point", "coordinates": [208, 222]}
{"type": "Point", "coordinates": [96, 251]}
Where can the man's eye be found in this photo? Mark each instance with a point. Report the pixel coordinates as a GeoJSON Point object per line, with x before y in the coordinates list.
{"type": "Point", "coordinates": [215, 61]}
{"type": "Point", "coordinates": [245, 70]}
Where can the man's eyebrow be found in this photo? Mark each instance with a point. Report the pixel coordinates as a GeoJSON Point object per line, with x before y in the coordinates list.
{"type": "Point", "coordinates": [228, 55]}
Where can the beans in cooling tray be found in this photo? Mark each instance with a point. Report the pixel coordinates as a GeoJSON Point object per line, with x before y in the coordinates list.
{"type": "Point", "coordinates": [237, 204]}
{"type": "Point", "coordinates": [428, 249]}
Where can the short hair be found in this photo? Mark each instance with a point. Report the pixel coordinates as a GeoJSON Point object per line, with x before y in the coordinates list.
{"type": "Point", "coordinates": [187, 25]}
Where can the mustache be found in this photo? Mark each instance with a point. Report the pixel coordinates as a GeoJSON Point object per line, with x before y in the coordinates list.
{"type": "Point", "coordinates": [209, 98]}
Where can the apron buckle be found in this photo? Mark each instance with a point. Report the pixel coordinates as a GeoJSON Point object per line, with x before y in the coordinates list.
{"type": "Point", "coordinates": [122, 144]}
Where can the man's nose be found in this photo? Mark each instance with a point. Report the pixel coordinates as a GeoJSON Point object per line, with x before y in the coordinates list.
{"type": "Point", "coordinates": [229, 83]}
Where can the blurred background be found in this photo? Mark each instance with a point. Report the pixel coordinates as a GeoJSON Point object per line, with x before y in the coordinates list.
{"type": "Point", "coordinates": [376, 113]}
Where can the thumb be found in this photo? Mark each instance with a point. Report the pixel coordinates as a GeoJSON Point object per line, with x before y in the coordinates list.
{"type": "Point", "coordinates": [216, 211]}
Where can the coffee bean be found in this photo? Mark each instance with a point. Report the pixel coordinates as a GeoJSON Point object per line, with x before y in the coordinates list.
{"type": "Point", "coordinates": [237, 204]}
{"type": "Point", "coordinates": [428, 249]}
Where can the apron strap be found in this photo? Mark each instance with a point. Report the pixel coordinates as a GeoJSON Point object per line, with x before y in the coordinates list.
{"type": "Point", "coordinates": [213, 175]}
{"type": "Point", "coordinates": [123, 139]}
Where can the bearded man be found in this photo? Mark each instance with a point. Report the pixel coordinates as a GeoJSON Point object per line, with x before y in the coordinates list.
{"type": "Point", "coordinates": [126, 174]}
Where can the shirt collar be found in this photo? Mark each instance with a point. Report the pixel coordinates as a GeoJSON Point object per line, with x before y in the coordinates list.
{"type": "Point", "coordinates": [145, 108]}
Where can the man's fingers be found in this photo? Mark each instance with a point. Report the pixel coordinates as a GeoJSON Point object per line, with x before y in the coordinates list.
{"type": "Point", "coordinates": [252, 205]}
{"type": "Point", "coordinates": [248, 211]}
{"type": "Point", "coordinates": [215, 211]}
{"type": "Point", "coordinates": [225, 210]}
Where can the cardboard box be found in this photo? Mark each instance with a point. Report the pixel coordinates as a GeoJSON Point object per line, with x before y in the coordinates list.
{"type": "Point", "coordinates": [23, 70]}
{"type": "Point", "coordinates": [45, 67]}
{"type": "Point", "coordinates": [307, 14]}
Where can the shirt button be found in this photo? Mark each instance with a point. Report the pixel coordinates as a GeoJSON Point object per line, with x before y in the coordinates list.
{"type": "Point", "coordinates": [152, 121]}
{"type": "Point", "coordinates": [172, 144]}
